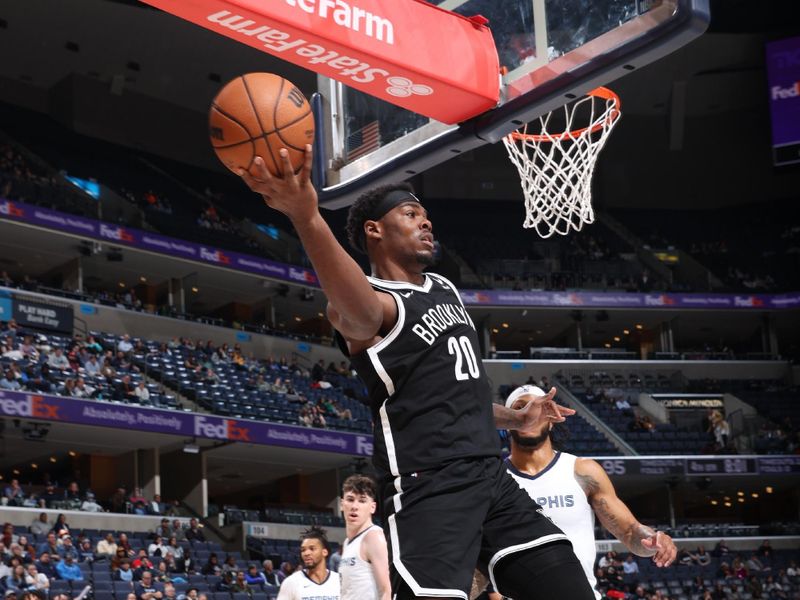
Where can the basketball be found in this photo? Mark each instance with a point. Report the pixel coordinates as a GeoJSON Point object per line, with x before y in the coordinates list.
{"type": "Point", "coordinates": [257, 114]}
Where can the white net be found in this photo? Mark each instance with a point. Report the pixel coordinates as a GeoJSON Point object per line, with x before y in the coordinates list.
{"type": "Point", "coordinates": [556, 168]}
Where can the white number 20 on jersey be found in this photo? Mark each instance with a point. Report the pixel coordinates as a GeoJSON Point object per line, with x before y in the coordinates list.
{"type": "Point", "coordinates": [466, 363]}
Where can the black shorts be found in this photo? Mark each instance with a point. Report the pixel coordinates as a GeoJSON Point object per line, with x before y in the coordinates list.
{"type": "Point", "coordinates": [444, 523]}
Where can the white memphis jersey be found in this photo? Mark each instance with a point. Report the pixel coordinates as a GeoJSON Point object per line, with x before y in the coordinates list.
{"type": "Point", "coordinates": [298, 586]}
{"type": "Point", "coordinates": [358, 582]}
{"type": "Point", "coordinates": [562, 499]}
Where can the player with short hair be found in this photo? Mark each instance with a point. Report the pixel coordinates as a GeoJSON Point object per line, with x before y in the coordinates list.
{"type": "Point", "coordinates": [364, 567]}
{"type": "Point", "coordinates": [314, 581]}
{"type": "Point", "coordinates": [448, 502]}
{"type": "Point", "coordinates": [571, 490]}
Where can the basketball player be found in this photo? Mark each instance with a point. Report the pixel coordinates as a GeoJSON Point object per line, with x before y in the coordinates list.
{"type": "Point", "coordinates": [448, 502]}
{"type": "Point", "coordinates": [364, 567]}
{"type": "Point", "coordinates": [571, 490]}
{"type": "Point", "coordinates": [314, 581]}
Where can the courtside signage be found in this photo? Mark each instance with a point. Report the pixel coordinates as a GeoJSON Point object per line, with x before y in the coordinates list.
{"type": "Point", "coordinates": [412, 54]}
{"type": "Point", "coordinates": [124, 416]}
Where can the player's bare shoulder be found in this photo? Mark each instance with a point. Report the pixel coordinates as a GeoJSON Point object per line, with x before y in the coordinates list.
{"type": "Point", "coordinates": [589, 475]}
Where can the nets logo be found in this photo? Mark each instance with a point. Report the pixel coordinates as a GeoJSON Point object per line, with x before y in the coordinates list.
{"type": "Point", "coordinates": [115, 233]}
{"type": "Point", "coordinates": [9, 209]}
{"type": "Point", "coordinates": [747, 301]}
{"type": "Point", "coordinates": [785, 93]}
{"type": "Point", "coordinates": [35, 407]}
{"type": "Point", "coordinates": [215, 256]}
{"type": "Point", "coordinates": [302, 275]}
{"type": "Point", "coordinates": [227, 429]}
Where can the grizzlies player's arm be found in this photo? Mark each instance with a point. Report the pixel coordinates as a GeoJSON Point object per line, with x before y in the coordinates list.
{"type": "Point", "coordinates": [358, 335]}
{"type": "Point", "coordinates": [373, 550]}
{"type": "Point", "coordinates": [617, 517]}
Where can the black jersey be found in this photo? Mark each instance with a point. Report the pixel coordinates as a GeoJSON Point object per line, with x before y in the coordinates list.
{"type": "Point", "coordinates": [430, 397]}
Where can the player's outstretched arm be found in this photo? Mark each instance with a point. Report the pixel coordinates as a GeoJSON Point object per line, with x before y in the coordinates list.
{"type": "Point", "coordinates": [374, 546]}
{"type": "Point", "coordinates": [532, 415]}
{"type": "Point", "coordinates": [357, 306]}
{"type": "Point", "coordinates": [617, 517]}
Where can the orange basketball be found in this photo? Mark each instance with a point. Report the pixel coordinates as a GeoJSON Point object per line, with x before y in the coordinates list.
{"type": "Point", "coordinates": [257, 114]}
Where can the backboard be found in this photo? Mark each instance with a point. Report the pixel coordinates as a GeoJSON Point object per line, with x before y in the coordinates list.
{"type": "Point", "coordinates": [550, 51]}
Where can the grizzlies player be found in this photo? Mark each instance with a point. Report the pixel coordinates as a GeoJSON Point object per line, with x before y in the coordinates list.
{"type": "Point", "coordinates": [571, 490]}
{"type": "Point", "coordinates": [314, 581]}
{"type": "Point", "coordinates": [448, 502]}
{"type": "Point", "coordinates": [364, 567]}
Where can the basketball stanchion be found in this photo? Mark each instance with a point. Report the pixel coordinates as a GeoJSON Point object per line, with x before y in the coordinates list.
{"type": "Point", "coordinates": [556, 168]}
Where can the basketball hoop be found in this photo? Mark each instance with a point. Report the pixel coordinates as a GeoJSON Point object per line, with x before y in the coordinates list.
{"type": "Point", "coordinates": [556, 168]}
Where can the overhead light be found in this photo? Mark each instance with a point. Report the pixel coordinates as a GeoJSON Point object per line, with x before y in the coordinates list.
{"type": "Point", "coordinates": [741, 500]}
{"type": "Point", "coordinates": [53, 459]}
{"type": "Point", "coordinates": [34, 466]}
{"type": "Point", "coordinates": [143, 279]}
{"type": "Point", "coordinates": [195, 289]}
{"type": "Point", "coordinates": [728, 504]}
{"type": "Point", "coordinates": [768, 489]}
{"type": "Point", "coordinates": [616, 338]}
{"type": "Point", "coordinates": [72, 453]}
{"type": "Point", "coordinates": [298, 319]}
{"type": "Point", "coordinates": [15, 471]}
{"type": "Point", "coordinates": [505, 325]}
{"type": "Point", "coordinates": [714, 503]}
{"type": "Point", "coordinates": [495, 330]}
{"type": "Point", "coordinates": [191, 447]}
{"type": "Point", "coordinates": [626, 331]}
{"type": "Point", "coordinates": [319, 314]}
{"type": "Point", "coordinates": [121, 284]}
{"type": "Point", "coordinates": [740, 493]}
{"type": "Point", "coordinates": [639, 326]}
{"type": "Point", "coordinates": [754, 494]}
{"type": "Point", "coordinates": [607, 345]}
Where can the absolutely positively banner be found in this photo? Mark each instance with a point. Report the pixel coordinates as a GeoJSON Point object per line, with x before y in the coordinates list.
{"type": "Point", "coordinates": [124, 416]}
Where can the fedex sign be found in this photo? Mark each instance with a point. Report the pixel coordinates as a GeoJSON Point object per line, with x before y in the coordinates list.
{"type": "Point", "coordinates": [35, 407]}
{"type": "Point", "coordinates": [117, 234]}
{"type": "Point", "coordinates": [221, 429]}
{"type": "Point", "coordinates": [783, 75]}
{"type": "Point", "coordinates": [8, 209]}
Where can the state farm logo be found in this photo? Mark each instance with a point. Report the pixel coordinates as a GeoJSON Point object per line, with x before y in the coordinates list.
{"type": "Point", "coordinates": [115, 233]}
{"type": "Point", "coordinates": [785, 93]}
{"type": "Point", "coordinates": [747, 301]}
{"type": "Point", "coordinates": [9, 209]}
{"type": "Point", "coordinates": [224, 429]}
{"type": "Point", "coordinates": [216, 256]}
{"type": "Point", "coordinates": [401, 87]}
{"type": "Point", "coordinates": [660, 300]}
{"type": "Point", "coordinates": [302, 275]}
{"type": "Point", "coordinates": [35, 407]}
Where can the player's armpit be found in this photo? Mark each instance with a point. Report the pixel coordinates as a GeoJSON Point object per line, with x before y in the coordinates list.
{"type": "Point", "coordinates": [376, 553]}
{"type": "Point", "coordinates": [357, 335]}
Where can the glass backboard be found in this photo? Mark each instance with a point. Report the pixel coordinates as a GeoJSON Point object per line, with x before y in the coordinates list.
{"type": "Point", "coordinates": [550, 51]}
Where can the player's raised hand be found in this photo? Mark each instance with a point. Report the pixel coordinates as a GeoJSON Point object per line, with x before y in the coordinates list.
{"type": "Point", "coordinates": [293, 194]}
{"type": "Point", "coordinates": [543, 409]}
{"type": "Point", "coordinates": [664, 547]}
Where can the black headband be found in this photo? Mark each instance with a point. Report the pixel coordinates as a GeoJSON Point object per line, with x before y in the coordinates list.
{"type": "Point", "coordinates": [391, 200]}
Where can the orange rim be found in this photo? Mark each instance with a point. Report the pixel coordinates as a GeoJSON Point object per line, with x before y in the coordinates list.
{"type": "Point", "coordinates": [613, 115]}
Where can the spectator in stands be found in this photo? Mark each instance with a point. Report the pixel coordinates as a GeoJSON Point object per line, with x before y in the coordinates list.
{"type": "Point", "coordinates": [36, 581]}
{"type": "Point", "coordinates": [92, 366]}
{"type": "Point", "coordinates": [28, 551]}
{"type": "Point", "coordinates": [240, 584]}
{"type": "Point", "coordinates": [16, 580]}
{"type": "Point", "coordinates": [141, 563]}
{"type": "Point", "coordinates": [146, 588]}
{"type": "Point", "coordinates": [82, 390]}
{"type": "Point", "coordinates": [90, 504]}
{"type": "Point", "coordinates": [125, 390]}
{"type": "Point", "coordinates": [61, 527]}
{"type": "Point", "coordinates": [175, 568]}
{"type": "Point", "coordinates": [14, 493]}
{"type": "Point", "coordinates": [169, 591]}
{"type": "Point", "coordinates": [16, 552]}
{"type": "Point", "coordinates": [287, 568]}
{"type": "Point", "coordinates": [45, 566]}
{"type": "Point", "coordinates": [49, 545]}
{"type": "Point", "coordinates": [754, 565]}
{"type": "Point", "coordinates": [157, 548]}
{"type": "Point", "coordinates": [253, 577]}
{"type": "Point", "coordinates": [269, 574]}
{"type": "Point", "coordinates": [229, 566]}
{"type": "Point", "coordinates": [142, 393]}
{"type": "Point", "coordinates": [164, 530]}
{"type": "Point", "coordinates": [138, 502]}
{"type": "Point", "coordinates": [765, 550]}
{"type": "Point", "coordinates": [85, 550]}
{"type": "Point", "coordinates": [67, 548]}
{"type": "Point", "coordinates": [193, 532]}
{"type": "Point", "coordinates": [119, 502]}
{"type": "Point", "coordinates": [738, 568]}
{"type": "Point", "coordinates": [9, 382]}
{"type": "Point", "coordinates": [774, 589]}
{"type": "Point", "coordinates": [57, 360]}
{"type": "Point", "coordinates": [753, 586]}
{"type": "Point", "coordinates": [107, 547]}
{"type": "Point", "coordinates": [177, 529]}
{"type": "Point", "coordinates": [212, 566]}
{"type": "Point", "coordinates": [701, 557]}
{"type": "Point", "coordinates": [721, 431]}
{"type": "Point", "coordinates": [630, 566]}
{"type": "Point", "coordinates": [72, 494]}
{"type": "Point", "coordinates": [125, 345]}
{"type": "Point", "coordinates": [123, 571]}
{"type": "Point", "coordinates": [156, 507]}
{"type": "Point", "coordinates": [174, 548]}
{"type": "Point", "coordinates": [68, 569]}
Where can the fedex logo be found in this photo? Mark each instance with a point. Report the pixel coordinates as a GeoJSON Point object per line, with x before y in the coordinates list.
{"type": "Point", "coordinates": [216, 256]}
{"type": "Point", "coordinates": [302, 275]}
{"type": "Point", "coordinates": [660, 300]}
{"type": "Point", "coordinates": [115, 233]}
{"type": "Point", "coordinates": [30, 406]}
{"type": "Point", "coordinates": [9, 209]}
{"type": "Point", "coordinates": [225, 429]}
{"type": "Point", "coordinates": [363, 446]}
{"type": "Point", "coordinates": [784, 93]}
{"type": "Point", "coordinates": [747, 301]}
